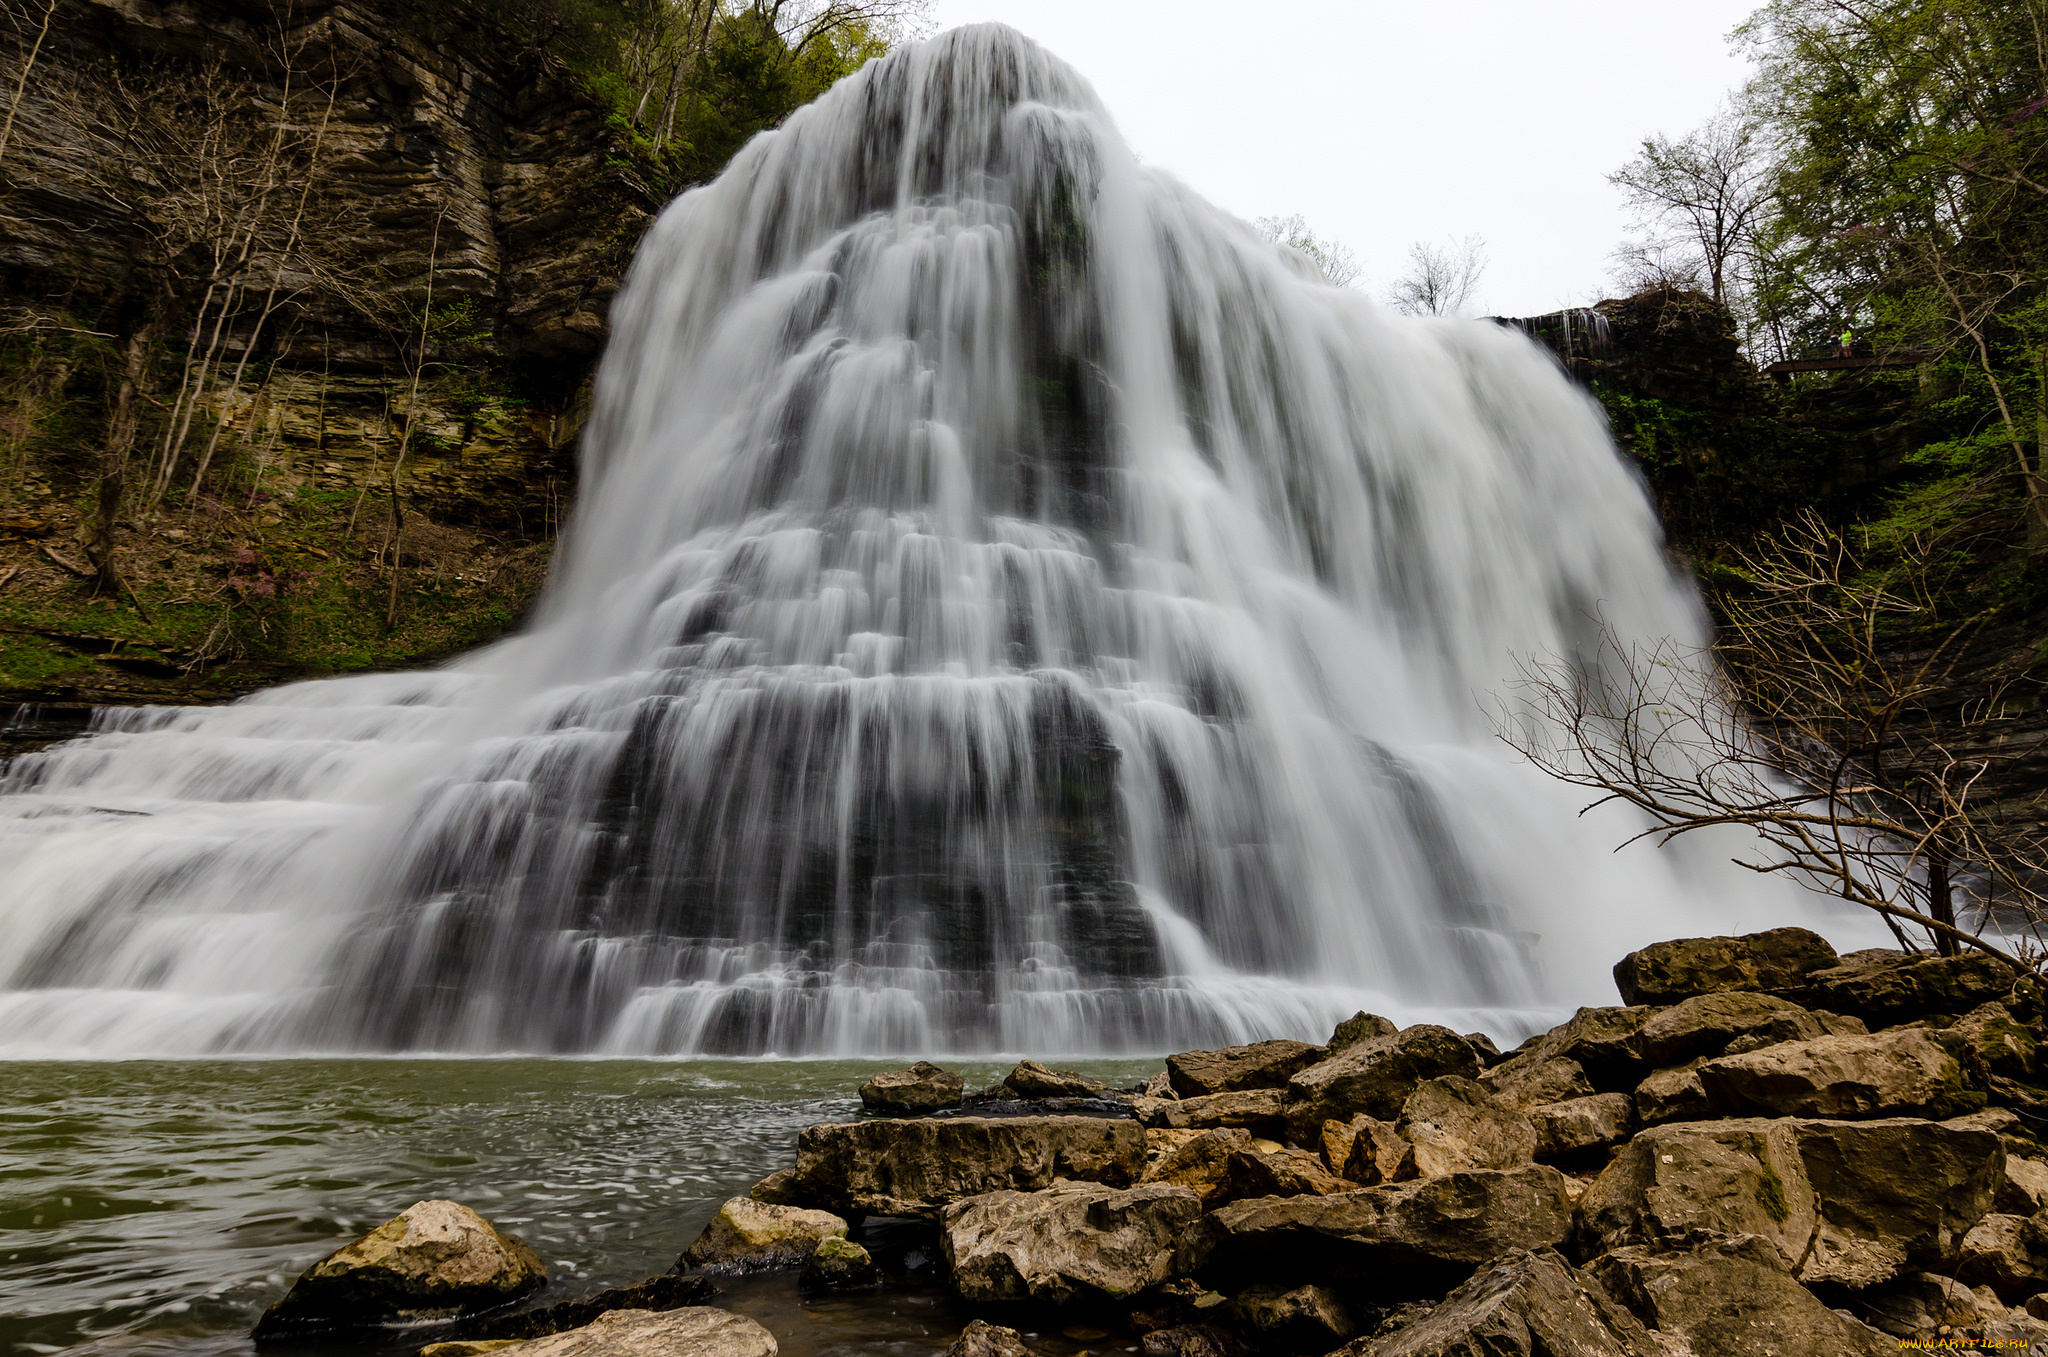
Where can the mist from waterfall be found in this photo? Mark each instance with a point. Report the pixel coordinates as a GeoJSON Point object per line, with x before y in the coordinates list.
{"type": "Point", "coordinates": [1010, 607]}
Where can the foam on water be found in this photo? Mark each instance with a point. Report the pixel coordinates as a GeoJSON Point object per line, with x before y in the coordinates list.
{"type": "Point", "coordinates": [1010, 606]}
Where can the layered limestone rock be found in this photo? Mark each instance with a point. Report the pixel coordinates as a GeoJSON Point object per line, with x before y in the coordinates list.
{"type": "Point", "coordinates": [697, 1331]}
{"type": "Point", "coordinates": [922, 1088]}
{"type": "Point", "coordinates": [751, 1236]}
{"type": "Point", "coordinates": [917, 1167]}
{"type": "Point", "coordinates": [434, 1260]}
{"type": "Point", "coordinates": [1526, 1305]}
{"type": "Point", "coordinates": [1068, 1244]}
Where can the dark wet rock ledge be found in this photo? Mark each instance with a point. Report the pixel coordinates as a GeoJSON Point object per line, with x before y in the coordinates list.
{"type": "Point", "coordinates": [1766, 1149]}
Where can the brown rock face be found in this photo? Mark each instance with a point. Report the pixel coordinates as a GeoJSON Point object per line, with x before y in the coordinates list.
{"type": "Point", "coordinates": [1295, 1318]}
{"type": "Point", "coordinates": [1883, 987]}
{"type": "Point", "coordinates": [1673, 1095]}
{"type": "Point", "coordinates": [1033, 1080]}
{"type": "Point", "coordinates": [1706, 1023]}
{"type": "Point", "coordinates": [1263, 1064]}
{"type": "Point", "coordinates": [1525, 1305]}
{"type": "Point", "coordinates": [433, 1260]}
{"type": "Point", "coordinates": [1670, 972]}
{"type": "Point", "coordinates": [1358, 1027]}
{"type": "Point", "coordinates": [1252, 1172]}
{"type": "Point", "coordinates": [1258, 1110]}
{"type": "Point", "coordinates": [1198, 1163]}
{"type": "Point", "coordinates": [924, 1087]}
{"type": "Point", "coordinates": [983, 1339]}
{"type": "Point", "coordinates": [1884, 1074]}
{"type": "Point", "coordinates": [1530, 1079]}
{"type": "Point", "coordinates": [1075, 1242]}
{"type": "Point", "coordinates": [1580, 1124]}
{"type": "Point", "coordinates": [1374, 1152]}
{"type": "Point", "coordinates": [698, 1331]}
{"type": "Point", "coordinates": [1842, 1201]}
{"type": "Point", "coordinates": [2009, 1254]}
{"type": "Point", "coordinates": [1373, 1077]}
{"type": "Point", "coordinates": [1455, 1123]}
{"type": "Point", "coordinates": [750, 1236]}
{"type": "Point", "coordinates": [1436, 1226]}
{"type": "Point", "coordinates": [1732, 1298]}
{"type": "Point", "coordinates": [916, 1167]}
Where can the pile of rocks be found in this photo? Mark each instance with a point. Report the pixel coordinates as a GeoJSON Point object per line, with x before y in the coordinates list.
{"type": "Point", "coordinates": [1766, 1149]}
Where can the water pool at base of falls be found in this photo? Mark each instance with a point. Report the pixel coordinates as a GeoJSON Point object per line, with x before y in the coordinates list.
{"type": "Point", "coordinates": [157, 1207]}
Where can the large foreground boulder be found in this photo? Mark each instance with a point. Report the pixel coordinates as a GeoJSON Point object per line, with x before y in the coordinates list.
{"type": "Point", "coordinates": [1898, 1073]}
{"type": "Point", "coordinates": [1263, 1064]}
{"type": "Point", "coordinates": [1841, 1201]}
{"type": "Point", "coordinates": [1671, 972]}
{"type": "Point", "coordinates": [921, 1089]}
{"type": "Point", "coordinates": [1374, 1077]}
{"type": "Point", "coordinates": [434, 1260]}
{"type": "Point", "coordinates": [1069, 1244]}
{"type": "Point", "coordinates": [1455, 1123]}
{"type": "Point", "coordinates": [1526, 1305]}
{"type": "Point", "coordinates": [917, 1167]}
{"type": "Point", "coordinates": [1438, 1227]}
{"type": "Point", "coordinates": [1577, 1125]}
{"type": "Point", "coordinates": [983, 1339]}
{"type": "Point", "coordinates": [1882, 986]}
{"type": "Point", "coordinates": [669, 1291]}
{"type": "Point", "coordinates": [697, 1331]}
{"type": "Point", "coordinates": [1705, 1024]}
{"type": "Point", "coordinates": [749, 1236]}
{"type": "Point", "coordinates": [1733, 1298]}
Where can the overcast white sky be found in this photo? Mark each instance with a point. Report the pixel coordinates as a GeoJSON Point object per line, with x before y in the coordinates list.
{"type": "Point", "coordinates": [1386, 121]}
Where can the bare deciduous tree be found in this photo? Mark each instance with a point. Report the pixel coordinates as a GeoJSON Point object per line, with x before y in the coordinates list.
{"type": "Point", "coordinates": [1333, 258]}
{"type": "Point", "coordinates": [1701, 198]}
{"type": "Point", "coordinates": [1846, 744]}
{"type": "Point", "coordinates": [1441, 280]}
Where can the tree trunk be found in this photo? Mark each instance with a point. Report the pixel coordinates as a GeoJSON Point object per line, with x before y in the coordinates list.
{"type": "Point", "coordinates": [113, 487]}
{"type": "Point", "coordinates": [1940, 901]}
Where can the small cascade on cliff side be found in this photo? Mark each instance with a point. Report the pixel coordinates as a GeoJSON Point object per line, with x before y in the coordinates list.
{"type": "Point", "coordinates": [1010, 607]}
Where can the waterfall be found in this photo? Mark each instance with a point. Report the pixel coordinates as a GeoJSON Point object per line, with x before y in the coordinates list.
{"type": "Point", "coordinates": [1010, 606]}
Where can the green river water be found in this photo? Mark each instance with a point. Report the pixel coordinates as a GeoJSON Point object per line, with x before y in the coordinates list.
{"type": "Point", "coordinates": [156, 1207]}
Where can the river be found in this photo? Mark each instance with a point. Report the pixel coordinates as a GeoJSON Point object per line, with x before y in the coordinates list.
{"type": "Point", "coordinates": [157, 1207]}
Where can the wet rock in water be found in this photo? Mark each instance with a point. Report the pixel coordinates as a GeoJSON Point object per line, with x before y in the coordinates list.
{"type": "Point", "coordinates": [1674, 1095]}
{"type": "Point", "coordinates": [1842, 1201]}
{"type": "Point", "coordinates": [1671, 972]}
{"type": "Point", "coordinates": [1883, 987]}
{"type": "Point", "coordinates": [915, 1167]}
{"type": "Point", "coordinates": [1580, 1124]}
{"type": "Point", "coordinates": [696, 1331]}
{"type": "Point", "coordinates": [467, 1347]}
{"type": "Point", "coordinates": [922, 1088]}
{"type": "Point", "coordinates": [1198, 1163]}
{"type": "Point", "coordinates": [1306, 1318]}
{"type": "Point", "coordinates": [1455, 1123]}
{"type": "Point", "coordinates": [1904, 1072]}
{"type": "Point", "coordinates": [666, 1292]}
{"type": "Point", "coordinates": [1033, 1080]}
{"type": "Point", "coordinates": [1159, 1085]}
{"type": "Point", "coordinates": [1705, 1024]}
{"type": "Point", "coordinates": [1193, 1340]}
{"type": "Point", "coordinates": [434, 1260]}
{"type": "Point", "coordinates": [1263, 1064]}
{"type": "Point", "coordinates": [1530, 1304]}
{"type": "Point", "coordinates": [1732, 1297]}
{"type": "Point", "coordinates": [1436, 1227]}
{"type": "Point", "coordinates": [1528, 1080]}
{"type": "Point", "coordinates": [983, 1339]}
{"type": "Point", "coordinates": [1360, 1026]}
{"type": "Point", "coordinates": [838, 1265]}
{"type": "Point", "coordinates": [750, 1236]}
{"type": "Point", "coordinates": [1374, 1077]}
{"type": "Point", "coordinates": [1261, 1111]}
{"type": "Point", "coordinates": [2009, 1254]}
{"type": "Point", "coordinates": [1071, 1243]}
{"type": "Point", "coordinates": [1252, 1172]}
{"type": "Point", "coordinates": [1378, 1155]}
{"type": "Point", "coordinates": [1917, 1305]}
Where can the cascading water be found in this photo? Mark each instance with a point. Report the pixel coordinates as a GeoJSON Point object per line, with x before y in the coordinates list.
{"type": "Point", "coordinates": [1010, 607]}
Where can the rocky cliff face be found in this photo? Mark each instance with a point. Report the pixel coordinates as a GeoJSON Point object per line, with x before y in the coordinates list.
{"type": "Point", "coordinates": [466, 156]}
{"type": "Point", "coordinates": [411, 415]}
